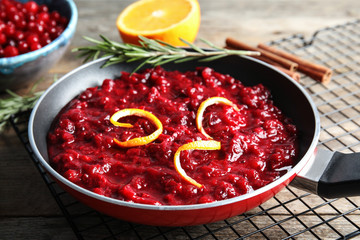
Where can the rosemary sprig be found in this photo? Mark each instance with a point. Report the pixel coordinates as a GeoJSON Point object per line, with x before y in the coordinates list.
{"type": "Point", "coordinates": [14, 104]}
{"type": "Point", "coordinates": [153, 52]}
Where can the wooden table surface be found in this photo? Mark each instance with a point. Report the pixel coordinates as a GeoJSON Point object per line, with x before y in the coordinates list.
{"type": "Point", "coordinates": [27, 210]}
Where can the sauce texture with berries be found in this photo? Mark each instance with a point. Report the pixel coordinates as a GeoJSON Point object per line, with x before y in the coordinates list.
{"type": "Point", "coordinates": [258, 143]}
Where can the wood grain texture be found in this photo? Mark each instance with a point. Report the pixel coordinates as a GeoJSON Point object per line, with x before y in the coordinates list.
{"type": "Point", "coordinates": [26, 207]}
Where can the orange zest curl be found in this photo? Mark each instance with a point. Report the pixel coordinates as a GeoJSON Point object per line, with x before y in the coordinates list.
{"type": "Point", "coordinates": [196, 145]}
{"type": "Point", "coordinates": [140, 113]}
{"type": "Point", "coordinates": [204, 105]}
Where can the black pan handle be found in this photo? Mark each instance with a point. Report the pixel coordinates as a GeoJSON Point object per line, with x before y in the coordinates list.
{"type": "Point", "coordinates": [331, 175]}
{"type": "Point", "coordinates": [341, 177]}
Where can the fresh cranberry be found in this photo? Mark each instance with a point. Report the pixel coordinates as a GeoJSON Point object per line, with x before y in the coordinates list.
{"type": "Point", "coordinates": [10, 51]}
{"type": "Point", "coordinates": [55, 15]}
{"type": "Point", "coordinates": [10, 9]}
{"type": "Point", "coordinates": [31, 26]}
{"type": "Point", "coordinates": [63, 20]}
{"type": "Point", "coordinates": [41, 22]}
{"type": "Point", "coordinates": [45, 40]}
{"type": "Point", "coordinates": [55, 32]}
{"type": "Point", "coordinates": [44, 16]}
{"type": "Point", "coordinates": [19, 35]}
{"type": "Point", "coordinates": [39, 29]}
{"type": "Point", "coordinates": [21, 24]}
{"type": "Point", "coordinates": [14, 17]}
{"type": "Point", "coordinates": [11, 42]}
{"type": "Point", "coordinates": [31, 17]}
{"type": "Point", "coordinates": [3, 39]}
{"type": "Point", "coordinates": [18, 5]}
{"type": "Point", "coordinates": [52, 23]}
{"type": "Point", "coordinates": [43, 8]}
{"type": "Point", "coordinates": [52, 32]}
{"type": "Point", "coordinates": [2, 26]}
{"type": "Point", "coordinates": [35, 46]}
{"type": "Point", "coordinates": [31, 7]}
{"type": "Point", "coordinates": [2, 14]}
{"type": "Point", "coordinates": [23, 47]}
{"type": "Point", "coordinates": [32, 38]}
{"type": "Point", "coordinates": [9, 30]}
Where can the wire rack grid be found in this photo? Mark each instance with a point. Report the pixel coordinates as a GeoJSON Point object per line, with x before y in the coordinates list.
{"type": "Point", "coordinates": [292, 214]}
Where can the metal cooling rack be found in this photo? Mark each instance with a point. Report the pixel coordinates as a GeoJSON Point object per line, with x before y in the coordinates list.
{"type": "Point", "coordinates": [292, 214]}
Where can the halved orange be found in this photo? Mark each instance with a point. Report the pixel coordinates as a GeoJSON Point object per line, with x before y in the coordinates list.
{"type": "Point", "coordinates": [165, 20]}
{"type": "Point", "coordinates": [140, 113]}
{"type": "Point", "coordinates": [196, 145]}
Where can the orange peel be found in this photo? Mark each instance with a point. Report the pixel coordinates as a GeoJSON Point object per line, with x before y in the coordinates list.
{"type": "Point", "coordinates": [196, 145]}
{"type": "Point", "coordinates": [204, 105]}
{"type": "Point", "coordinates": [140, 113]}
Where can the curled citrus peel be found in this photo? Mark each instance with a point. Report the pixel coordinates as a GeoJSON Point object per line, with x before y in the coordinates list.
{"type": "Point", "coordinates": [204, 105]}
{"type": "Point", "coordinates": [196, 145]}
{"type": "Point", "coordinates": [140, 113]}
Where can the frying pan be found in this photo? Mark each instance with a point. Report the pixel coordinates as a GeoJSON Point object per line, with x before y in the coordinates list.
{"type": "Point", "coordinates": [329, 174]}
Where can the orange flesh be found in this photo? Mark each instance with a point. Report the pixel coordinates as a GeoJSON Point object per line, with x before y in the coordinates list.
{"type": "Point", "coordinates": [150, 16]}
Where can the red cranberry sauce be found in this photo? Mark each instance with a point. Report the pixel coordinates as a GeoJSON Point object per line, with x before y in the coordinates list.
{"type": "Point", "coordinates": [26, 27]}
{"type": "Point", "coordinates": [258, 143]}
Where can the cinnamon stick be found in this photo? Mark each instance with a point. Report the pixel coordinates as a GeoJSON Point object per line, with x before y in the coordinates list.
{"type": "Point", "coordinates": [269, 61]}
{"type": "Point", "coordinates": [293, 75]}
{"type": "Point", "coordinates": [266, 56]}
{"type": "Point", "coordinates": [315, 71]}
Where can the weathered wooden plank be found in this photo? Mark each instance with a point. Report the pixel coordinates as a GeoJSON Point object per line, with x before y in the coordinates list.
{"type": "Point", "coordinates": [27, 209]}
{"type": "Point", "coordinates": [40, 228]}
{"type": "Point", "coordinates": [22, 190]}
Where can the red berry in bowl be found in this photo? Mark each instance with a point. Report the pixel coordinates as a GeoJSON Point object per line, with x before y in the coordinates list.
{"type": "Point", "coordinates": [31, 7]}
{"type": "Point", "coordinates": [3, 38]}
{"type": "Point", "coordinates": [19, 35]}
{"type": "Point", "coordinates": [55, 15]}
{"type": "Point", "coordinates": [9, 30]}
{"type": "Point", "coordinates": [2, 26]}
{"type": "Point", "coordinates": [23, 47]}
{"type": "Point", "coordinates": [32, 38]}
{"type": "Point", "coordinates": [10, 51]}
{"type": "Point", "coordinates": [43, 8]}
{"type": "Point", "coordinates": [35, 46]}
{"type": "Point", "coordinates": [44, 16]}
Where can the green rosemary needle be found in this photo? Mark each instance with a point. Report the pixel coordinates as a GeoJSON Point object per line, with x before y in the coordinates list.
{"type": "Point", "coordinates": [14, 104]}
{"type": "Point", "coordinates": [153, 52]}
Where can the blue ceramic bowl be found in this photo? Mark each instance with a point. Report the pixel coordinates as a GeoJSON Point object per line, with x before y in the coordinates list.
{"type": "Point", "coordinates": [18, 71]}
